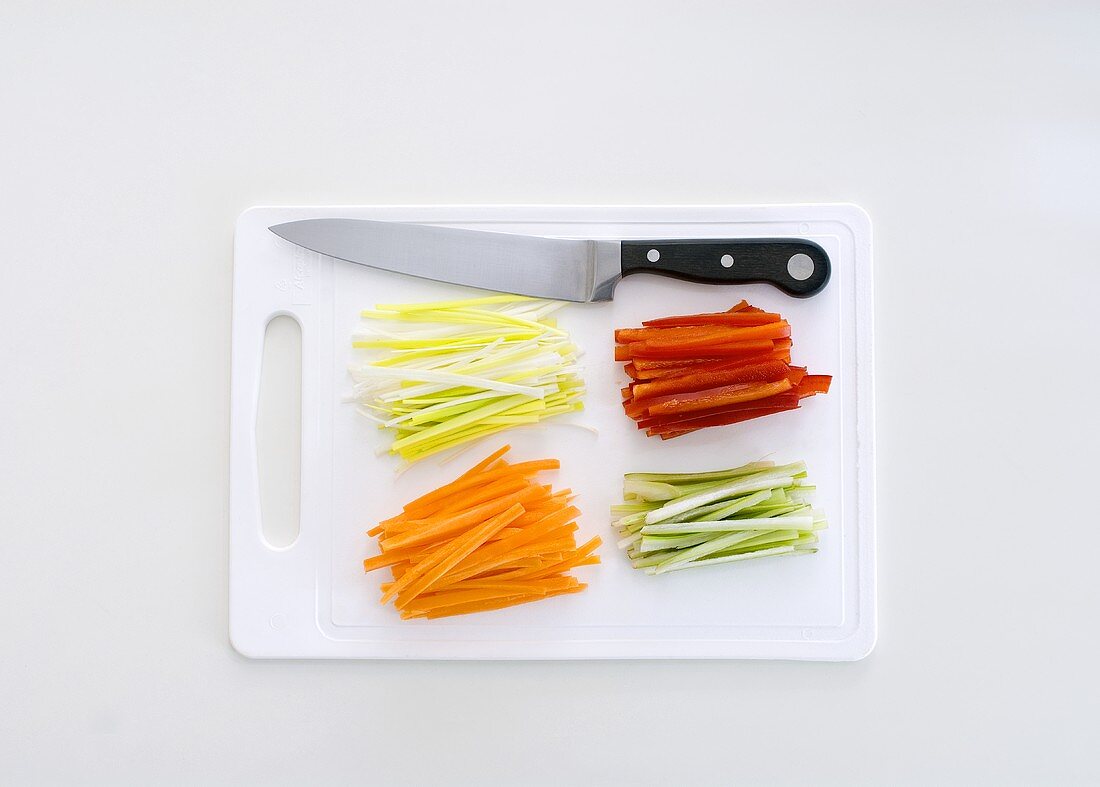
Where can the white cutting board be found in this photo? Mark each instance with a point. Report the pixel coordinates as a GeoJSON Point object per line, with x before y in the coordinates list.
{"type": "Point", "coordinates": [313, 600]}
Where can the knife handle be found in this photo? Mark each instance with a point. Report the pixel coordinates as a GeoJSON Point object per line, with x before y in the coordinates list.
{"type": "Point", "coordinates": [798, 267]}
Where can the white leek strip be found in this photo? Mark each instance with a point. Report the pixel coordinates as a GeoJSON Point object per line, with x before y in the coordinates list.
{"type": "Point", "coordinates": [448, 373]}
{"type": "Point", "coordinates": [429, 376]}
{"type": "Point", "coordinates": [437, 305]}
{"type": "Point", "coordinates": [447, 406]}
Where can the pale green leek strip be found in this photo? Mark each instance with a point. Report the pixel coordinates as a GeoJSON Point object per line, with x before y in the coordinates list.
{"type": "Point", "coordinates": [716, 475]}
{"type": "Point", "coordinates": [736, 488]}
{"type": "Point", "coordinates": [704, 549]}
{"type": "Point", "coordinates": [727, 525]}
{"type": "Point", "coordinates": [654, 543]}
{"type": "Point", "coordinates": [741, 503]}
{"type": "Point", "coordinates": [784, 550]}
{"type": "Point", "coordinates": [649, 490]}
{"type": "Point", "coordinates": [765, 540]}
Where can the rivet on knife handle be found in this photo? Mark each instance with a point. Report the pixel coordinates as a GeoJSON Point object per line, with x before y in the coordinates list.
{"type": "Point", "coordinates": [798, 267]}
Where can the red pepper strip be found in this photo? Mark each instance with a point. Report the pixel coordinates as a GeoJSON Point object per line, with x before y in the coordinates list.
{"type": "Point", "coordinates": [632, 370]}
{"type": "Point", "coordinates": [753, 347]}
{"type": "Point", "coordinates": [794, 374]}
{"type": "Point", "coordinates": [733, 325]}
{"type": "Point", "coordinates": [648, 364]}
{"type": "Point", "coordinates": [766, 372]}
{"type": "Point", "coordinates": [707, 365]}
{"type": "Point", "coordinates": [627, 393]}
{"type": "Point", "coordinates": [704, 336]}
{"type": "Point", "coordinates": [623, 352]}
{"type": "Point", "coordinates": [722, 419]}
{"type": "Point", "coordinates": [737, 319]}
{"type": "Point", "coordinates": [740, 305]}
{"type": "Point", "coordinates": [750, 310]}
{"type": "Point", "coordinates": [716, 397]}
{"type": "Point", "coordinates": [786, 399]}
{"type": "Point", "coordinates": [814, 384]}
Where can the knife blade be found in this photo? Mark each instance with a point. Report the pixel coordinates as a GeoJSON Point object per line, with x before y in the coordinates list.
{"type": "Point", "coordinates": [559, 268]}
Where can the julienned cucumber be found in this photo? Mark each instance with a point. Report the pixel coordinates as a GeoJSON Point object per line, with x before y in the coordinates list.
{"type": "Point", "coordinates": [673, 521]}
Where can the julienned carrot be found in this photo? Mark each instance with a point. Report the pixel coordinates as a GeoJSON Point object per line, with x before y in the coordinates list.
{"type": "Point", "coordinates": [425, 504]}
{"type": "Point", "coordinates": [423, 531]}
{"type": "Point", "coordinates": [694, 371]}
{"type": "Point", "coordinates": [450, 555]}
{"type": "Point", "coordinates": [490, 538]}
{"type": "Point", "coordinates": [485, 606]}
{"type": "Point", "coordinates": [444, 553]}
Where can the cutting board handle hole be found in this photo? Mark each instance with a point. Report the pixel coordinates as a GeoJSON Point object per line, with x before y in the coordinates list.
{"type": "Point", "coordinates": [279, 432]}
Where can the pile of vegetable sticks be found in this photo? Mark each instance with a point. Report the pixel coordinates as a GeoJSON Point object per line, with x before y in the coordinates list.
{"type": "Point", "coordinates": [454, 371]}
{"type": "Point", "coordinates": [673, 521]}
{"type": "Point", "coordinates": [493, 537]}
{"type": "Point", "coordinates": [701, 370]}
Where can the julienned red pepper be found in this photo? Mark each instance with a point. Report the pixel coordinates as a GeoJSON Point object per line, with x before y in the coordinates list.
{"type": "Point", "coordinates": [695, 371]}
{"type": "Point", "coordinates": [724, 419]}
{"type": "Point", "coordinates": [717, 397]}
{"type": "Point", "coordinates": [644, 350]}
{"type": "Point", "coordinates": [787, 399]}
{"type": "Point", "coordinates": [814, 384]}
{"type": "Point", "coordinates": [645, 364]}
{"type": "Point", "coordinates": [738, 319]}
{"type": "Point", "coordinates": [707, 336]}
{"type": "Point", "coordinates": [764, 372]}
{"type": "Point", "coordinates": [700, 335]}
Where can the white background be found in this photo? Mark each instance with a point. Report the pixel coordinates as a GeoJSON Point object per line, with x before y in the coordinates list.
{"type": "Point", "coordinates": [133, 134]}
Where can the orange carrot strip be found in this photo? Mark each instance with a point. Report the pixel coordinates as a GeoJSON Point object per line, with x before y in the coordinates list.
{"type": "Point", "coordinates": [518, 553]}
{"type": "Point", "coordinates": [504, 551]}
{"type": "Point", "coordinates": [388, 559]}
{"type": "Point", "coordinates": [466, 499]}
{"type": "Point", "coordinates": [485, 606]}
{"type": "Point", "coordinates": [429, 601]}
{"type": "Point", "coordinates": [580, 554]}
{"type": "Point", "coordinates": [428, 570]}
{"type": "Point", "coordinates": [431, 529]}
{"type": "Point", "coordinates": [452, 598]}
{"type": "Point", "coordinates": [487, 461]}
{"type": "Point", "coordinates": [417, 507]}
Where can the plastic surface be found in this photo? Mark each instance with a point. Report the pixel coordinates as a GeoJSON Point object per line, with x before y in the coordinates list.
{"type": "Point", "coordinates": [312, 599]}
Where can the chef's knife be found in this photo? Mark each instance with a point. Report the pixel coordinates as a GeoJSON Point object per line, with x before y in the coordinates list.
{"type": "Point", "coordinates": [559, 268]}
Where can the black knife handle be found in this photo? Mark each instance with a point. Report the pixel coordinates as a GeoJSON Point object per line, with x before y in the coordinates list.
{"type": "Point", "coordinates": [798, 267]}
